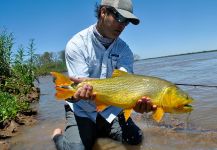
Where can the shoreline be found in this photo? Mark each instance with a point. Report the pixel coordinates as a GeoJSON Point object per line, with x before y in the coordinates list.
{"type": "Point", "coordinates": [11, 128]}
{"type": "Point", "coordinates": [205, 51]}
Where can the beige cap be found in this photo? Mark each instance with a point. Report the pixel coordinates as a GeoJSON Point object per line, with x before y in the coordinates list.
{"type": "Point", "coordinates": [124, 7]}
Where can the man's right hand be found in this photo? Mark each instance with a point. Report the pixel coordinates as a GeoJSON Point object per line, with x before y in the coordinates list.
{"type": "Point", "coordinates": [85, 92]}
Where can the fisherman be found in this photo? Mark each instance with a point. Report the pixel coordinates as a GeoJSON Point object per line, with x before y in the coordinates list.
{"type": "Point", "coordinates": [94, 53]}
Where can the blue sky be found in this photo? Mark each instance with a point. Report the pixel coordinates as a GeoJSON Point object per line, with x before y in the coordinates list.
{"type": "Point", "coordinates": [167, 26]}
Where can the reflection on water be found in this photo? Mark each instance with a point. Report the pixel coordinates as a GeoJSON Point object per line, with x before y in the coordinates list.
{"type": "Point", "coordinates": [197, 131]}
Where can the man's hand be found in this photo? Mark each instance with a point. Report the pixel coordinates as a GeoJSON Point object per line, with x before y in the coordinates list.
{"type": "Point", "coordinates": [144, 105]}
{"type": "Point", "coordinates": [84, 92]}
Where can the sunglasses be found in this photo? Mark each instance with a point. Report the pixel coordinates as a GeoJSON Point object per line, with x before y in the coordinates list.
{"type": "Point", "coordinates": [118, 17]}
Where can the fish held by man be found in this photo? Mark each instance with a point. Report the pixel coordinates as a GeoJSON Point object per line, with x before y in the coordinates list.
{"type": "Point", "coordinates": [124, 90]}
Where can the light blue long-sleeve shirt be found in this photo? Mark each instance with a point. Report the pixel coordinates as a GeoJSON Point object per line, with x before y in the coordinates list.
{"type": "Point", "coordinates": [87, 57]}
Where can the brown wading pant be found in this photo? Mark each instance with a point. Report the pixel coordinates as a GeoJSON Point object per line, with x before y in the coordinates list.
{"type": "Point", "coordinates": [81, 133]}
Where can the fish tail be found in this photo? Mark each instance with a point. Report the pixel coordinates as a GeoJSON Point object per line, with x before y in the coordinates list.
{"type": "Point", "coordinates": [61, 79]}
{"type": "Point", "coordinates": [63, 84]}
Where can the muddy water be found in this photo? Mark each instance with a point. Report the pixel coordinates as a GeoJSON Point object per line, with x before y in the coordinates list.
{"type": "Point", "coordinates": [195, 131]}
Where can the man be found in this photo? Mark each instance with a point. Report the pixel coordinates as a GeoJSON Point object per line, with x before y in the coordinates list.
{"type": "Point", "coordinates": [94, 53]}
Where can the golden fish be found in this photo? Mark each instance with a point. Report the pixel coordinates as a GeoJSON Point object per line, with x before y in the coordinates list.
{"type": "Point", "coordinates": [124, 90]}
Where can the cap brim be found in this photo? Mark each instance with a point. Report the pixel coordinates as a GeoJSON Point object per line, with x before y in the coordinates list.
{"type": "Point", "coordinates": [133, 19]}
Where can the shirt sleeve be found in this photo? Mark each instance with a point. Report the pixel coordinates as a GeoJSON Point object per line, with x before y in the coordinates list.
{"type": "Point", "coordinates": [75, 61]}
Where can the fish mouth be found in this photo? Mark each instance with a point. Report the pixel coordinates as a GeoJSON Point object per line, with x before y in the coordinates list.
{"type": "Point", "coordinates": [188, 108]}
{"type": "Point", "coordinates": [187, 105]}
{"type": "Point", "coordinates": [184, 108]}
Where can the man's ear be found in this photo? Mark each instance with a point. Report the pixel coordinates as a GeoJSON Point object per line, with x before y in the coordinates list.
{"type": "Point", "coordinates": [103, 12]}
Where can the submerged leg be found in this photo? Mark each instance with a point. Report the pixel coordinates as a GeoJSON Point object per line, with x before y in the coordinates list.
{"type": "Point", "coordinates": [126, 132]}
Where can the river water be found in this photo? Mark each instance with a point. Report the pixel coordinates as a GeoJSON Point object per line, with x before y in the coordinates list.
{"type": "Point", "coordinates": [195, 131]}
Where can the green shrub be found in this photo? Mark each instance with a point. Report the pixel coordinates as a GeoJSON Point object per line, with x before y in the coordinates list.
{"type": "Point", "coordinates": [17, 74]}
{"type": "Point", "coordinates": [10, 106]}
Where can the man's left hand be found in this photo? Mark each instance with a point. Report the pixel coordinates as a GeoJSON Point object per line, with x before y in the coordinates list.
{"type": "Point", "coordinates": [144, 105]}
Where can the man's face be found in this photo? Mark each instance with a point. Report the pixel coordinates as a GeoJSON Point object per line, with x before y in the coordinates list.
{"type": "Point", "coordinates": [111, 27]}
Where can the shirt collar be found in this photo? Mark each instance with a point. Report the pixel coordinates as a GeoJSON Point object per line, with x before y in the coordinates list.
{"type": "Point", "coordinates": [106, 42]}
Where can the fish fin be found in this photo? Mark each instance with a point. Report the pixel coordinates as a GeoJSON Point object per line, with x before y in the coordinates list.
{"type": "Point", "coordinates": [127, 113]}
{"type": "Point", "coordinates": [118, 73]}
{"type": "Point", "coordinates": [64, 93]}
{"type": "Point", "coordinates": [158, 114]}
{"type": "Point", "coordinates": [100, 106]}
{"type": "Point", "coordinates": [61, 80]}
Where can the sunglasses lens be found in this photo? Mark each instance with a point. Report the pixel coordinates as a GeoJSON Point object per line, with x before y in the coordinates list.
{"type": "Point", "coordinates": [118, 17]}
{"type": "Point", "coordinates": [121, 19]}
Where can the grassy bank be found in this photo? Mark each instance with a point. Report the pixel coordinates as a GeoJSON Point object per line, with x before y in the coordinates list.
{"type": "Point", "coordinates": [19, 68]}
{"type": "Point", "coordinates": [17, 75]}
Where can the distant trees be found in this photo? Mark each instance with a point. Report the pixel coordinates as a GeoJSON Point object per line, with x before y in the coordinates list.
{"type": "Point", "coordinates": [136, 57]}
{"type": "Point", "coordinates": [55, 61]}
{"type": "Point", "coordinates": [51, 61]}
